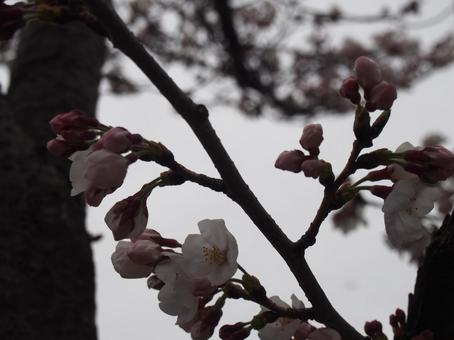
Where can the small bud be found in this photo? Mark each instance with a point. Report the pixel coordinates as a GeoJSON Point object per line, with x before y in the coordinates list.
{"type": "Point", "coordinates": [72, 120]}
{"type": "Point", "coordinates": [312, 167]}
{"type": "Point", "coordinates": [253, 287]}
{"type": "Point", "coordinates": [290, 161]}
{"type": "Point", "coordinates": [400, 315]}
{"type": "Point", "coordinates": [59, 148]}
{"type": "Point", "coordinates": [381, 96]}
{"type": "Point", "coordinates": [312, 138]}
{"type": "Point", "coordinates": [367, 72]}
{"type": "Point", "coordinates": [350, 90]}
{"type": "Point", "coordinates": [373, 328]}
{"type": "Point", "coordinates": [116, 140]}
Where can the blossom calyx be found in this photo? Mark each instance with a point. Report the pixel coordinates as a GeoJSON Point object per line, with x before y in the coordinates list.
{"type": "Point", "coordinates": [375, 158]}
{"type": "Point", "coordinates": [361, 125]}
{"type": "Point", "coordinates": [237, 331]}
{"type": "Point", "coordinates": [253, 286]}
{"type": "Point", "coordinates": [379, 124]}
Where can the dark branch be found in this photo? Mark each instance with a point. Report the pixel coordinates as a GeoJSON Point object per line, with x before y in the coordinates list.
{"type": "Point", "coordinates": [197, 118]}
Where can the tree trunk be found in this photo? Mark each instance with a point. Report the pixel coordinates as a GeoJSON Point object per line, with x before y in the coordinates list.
{"type": "Point", "coordinates": [431, 307]}
{"type": "Point", "coordinates": [47, 273]}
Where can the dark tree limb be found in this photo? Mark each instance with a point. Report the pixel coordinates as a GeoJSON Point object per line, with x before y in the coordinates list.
{"type": "Point", "coordinates": [197, 118]}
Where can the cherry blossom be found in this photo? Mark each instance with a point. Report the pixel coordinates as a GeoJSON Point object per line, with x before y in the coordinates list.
{"type": "Point", "coordinates": [406, 205]}
{"type": "Point", "coordinates": [128, 218]}
{"type": "Point", "coordinates": [117, 140]}
{"type": "Point", "coordinates": [212, 254]}
{"type": "Point", "coordinates": [97, 172]}
{"type": "Point", "coordinates": [180, 295]}
{"type": "Point", "coordinates": [125, 266]}
{"type": "Point", "coordinates": [290, 161]}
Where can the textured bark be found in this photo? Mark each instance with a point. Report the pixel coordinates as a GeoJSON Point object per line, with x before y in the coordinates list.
{"type": "Point", "coordinates": [47, 273]}
{"type": "Point", "coordinates": [431, 307]}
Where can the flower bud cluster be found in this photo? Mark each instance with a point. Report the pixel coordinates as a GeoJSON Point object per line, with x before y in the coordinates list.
{"type": "Point", "coordinates": [186, 281]}
{"type": "Point", "coordinates": [297, 161]}
{"type": "Point", "coordinates": [98, 166]}
{"type": "Point", "coordinates": [379, 94]}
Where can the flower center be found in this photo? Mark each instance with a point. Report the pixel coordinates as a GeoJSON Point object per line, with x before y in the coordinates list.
{"type": "Point", "coordinates": [213, 255]}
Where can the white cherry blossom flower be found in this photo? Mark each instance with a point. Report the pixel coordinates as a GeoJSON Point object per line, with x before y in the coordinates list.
{"type": "Point", "coordinates": [181, 293]}
{"type": "Point", "coordinates": [212, 254]}
{"type": "Point", "coordinates": [404, 208]}
{"type": "Point", "coordinates": [97, 173]}
{"type": "Point", "coordinates": [125, 266]}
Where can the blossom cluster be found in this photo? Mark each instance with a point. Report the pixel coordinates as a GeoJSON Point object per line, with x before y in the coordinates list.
{"type": "Point", "coordinates": [297, 161]}
{"type": "Point", "coordinates": [99, 165]}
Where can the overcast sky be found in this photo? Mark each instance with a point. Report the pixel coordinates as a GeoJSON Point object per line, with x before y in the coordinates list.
{"type": "Point", "coordinates": [363, 279]}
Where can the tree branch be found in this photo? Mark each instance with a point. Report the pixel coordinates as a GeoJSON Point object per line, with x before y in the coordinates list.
{"type": "Point", "coordinates": [197, 118]}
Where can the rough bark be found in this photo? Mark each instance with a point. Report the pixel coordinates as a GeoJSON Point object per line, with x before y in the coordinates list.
{"type": "Point", "coordinates": [431, 306]}
{"type": "Point", "coordinates": [47, 281]}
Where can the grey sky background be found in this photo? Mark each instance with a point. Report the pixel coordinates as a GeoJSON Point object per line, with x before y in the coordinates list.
{"type": "Point", "coordinates": [363, 279]}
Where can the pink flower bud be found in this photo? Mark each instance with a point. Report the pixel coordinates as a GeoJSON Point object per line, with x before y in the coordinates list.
{"type": "Point", "coordinates": [128, 218]}
{"type": "Point", "coordinates": [290, 161]}
{"type": "Point", "coordinates": [59, 148]}
{"type": "Point", "coordinates": [381, 96]}
{"type": "Point", "coordinates": [367, 72]}
{"type": "Point", "coordinates": [124, 266]}
{"type": "Point", "coordinates": [116, 140]}
{"type": "Point", "coordinates": [312, 168]}
{"type": "Point", "coordinates": [432, 164]}
{"type": "Point", "coordinates": [72, 120]}
{"type": "Point", "coordinates": [350, 90]}
{"type": "Point", "coordinates": [105, 169]}
{"type": "Point", "coordinates": [145, 252]}
{"type": "Point", "coordinates": [373, 328]}
{"type": "Point", "coordinates": [77, 137]}
{"type": "Point", "coordinates": [312, 137]}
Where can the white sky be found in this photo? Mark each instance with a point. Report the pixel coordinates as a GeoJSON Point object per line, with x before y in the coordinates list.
{"type": "Point", "coordinates": [363, 279]}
